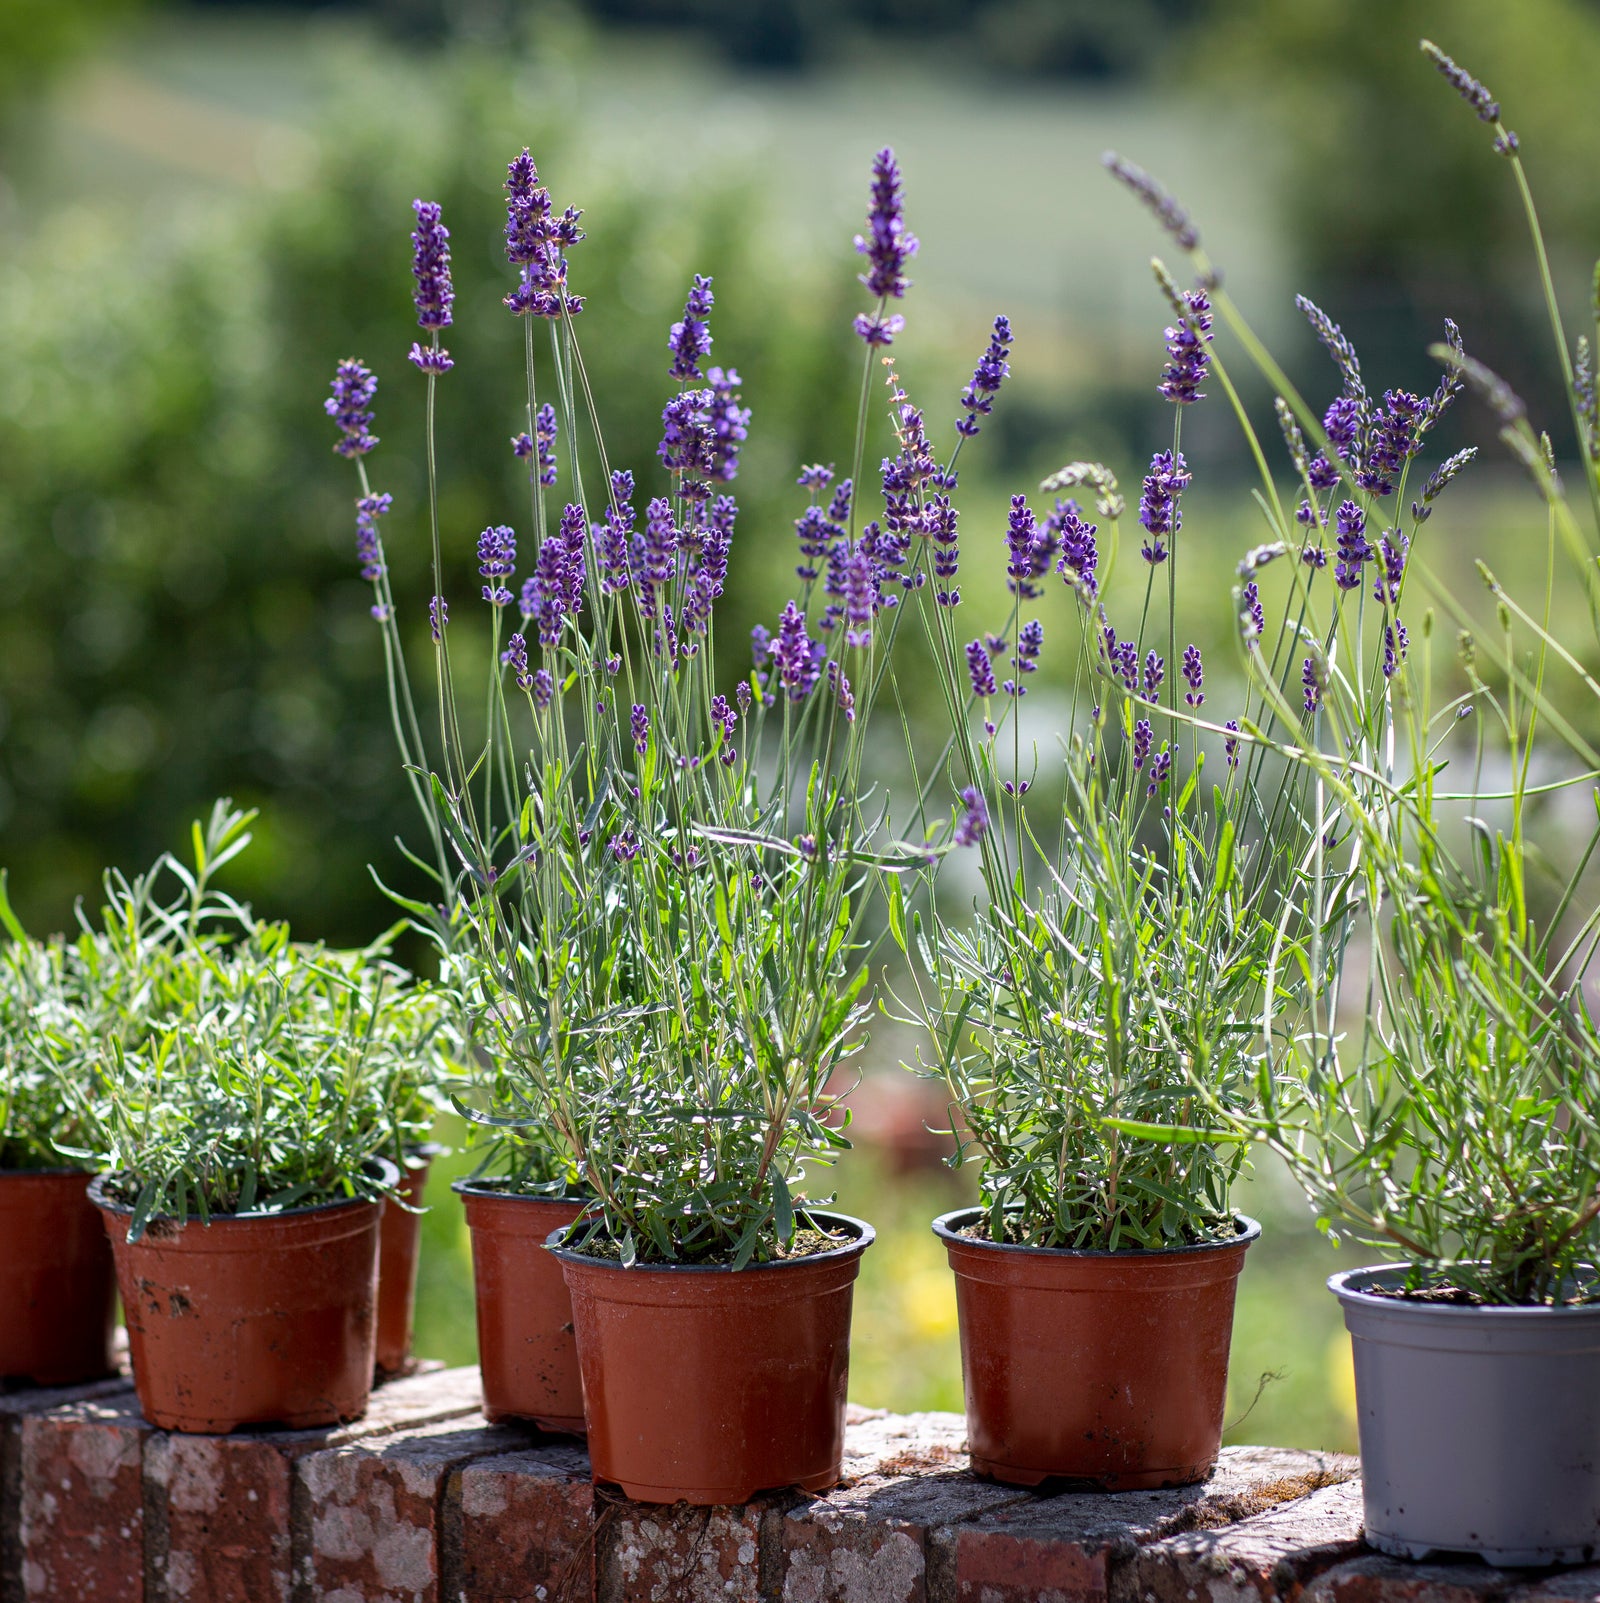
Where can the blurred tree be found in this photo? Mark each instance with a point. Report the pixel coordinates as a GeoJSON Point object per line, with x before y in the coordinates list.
{"type": "Point", "coordinates": [182, 615]}
{"type": "Point", "coordinates": [1400, 213]}
{"type": "Point", "coordinates": [39, 36]}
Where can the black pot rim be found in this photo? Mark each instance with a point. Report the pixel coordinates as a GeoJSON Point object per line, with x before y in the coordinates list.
{"type": "Point", "coordinates": [1341, 1285]}
{"type": "Point", "coordinates": [424, 1149]}
{"type": "Point", "coordinates": [948, 1225]}
{"type": "Point", "coordinates": [477, 1186]}
{"type": "Point", "coordinates": [864, 1236]}
{"type": "Point", "coordinates": [65, 1168]}
{"type": "Point", "coordinates": [97, 1195]}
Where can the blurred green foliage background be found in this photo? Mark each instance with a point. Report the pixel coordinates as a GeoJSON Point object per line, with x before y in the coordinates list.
{"type": "Point", "coordinates": [202, 207]}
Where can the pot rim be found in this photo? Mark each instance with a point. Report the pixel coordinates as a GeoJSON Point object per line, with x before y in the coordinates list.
{"type": "Point", "coordinates": [97, 1195]}
{"type": "Point", "coordinates": [428, 1150]}
{"type": "Point", "coordinates": [477, 1186]}
{"type": "Point", "coordinates": [64, 1169]}
{"type": "Point", "coordinates": [947, 1230]}
{"type": "Point", "coordinates": [1355, 1296]}
{"type": "Point", "coordinates": [864, 1236]}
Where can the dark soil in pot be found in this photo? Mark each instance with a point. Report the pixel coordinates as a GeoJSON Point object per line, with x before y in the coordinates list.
{"type": "Point", "coordinates": [707, 1385]}
{"type": "Point", "coordinates": [1480, 1426]}
{"type": "Point", "coordinates": [57, 1282]}
{"type": "Point", "coordinates": [266, 1319]}
{"type": "Point", "coordinates": [399, 1239]}
{"type": "Point", "coordinates": [526, 1352]}
{"type": "Point", "coordinates": [1109, 1369]}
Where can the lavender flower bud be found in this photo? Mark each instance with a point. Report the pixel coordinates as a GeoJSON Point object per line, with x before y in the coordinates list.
{"type": "Point", "coordinates": [369, 544]}
{"type": "Point", "coordinates": [1395, 644]}
{"type": "Point", "coordinates": [1030, 641]}
{"type": "Point", "coordinates": [691, 339]}
{"type": "Point", "coordinates": [1165, 209]}
{"type": "Point", "coordinates": [427, 360]}
{"type": "Point", "coordinates": [815, 478]}
{"type": "Point", "coordinates": [1230, 744]}
{"type": "Point", "coordinates": [980, 669]}
{"type": "Point", "coordinates": [639, 727]}
{"type": "Point", "coordinates": [1143, 736]}
{"type": "Point", "coordinates": [861, 590]}
{"type": "Point", "coordinates": [839, 688]}
{"type": "Point", "coordinates": [886, 245]}
{"type": "Point", "coordinates": [497, 559]}
{"type": "Point", "coordinates": [1438, 479]}
{"type": "Point", "coordinates": [1337, 346]}
{"type": "Point", "coordinates": [522, 445]}
{"type": "Point", "coordinates": [1159, 511]}
{"type": "Point", "coordinates": [993, 368]}
{"type": "Point", "coordinates": [1311, 684]}
{"type": "Point", "coordinates": [438, 617]}
{"type": "Point", "coordinates": [973, 824]}
{"type": "Point", "coordinates": [1194, 675]}
{"type": "Point", "coordinates": [515, 656]}
{"type": "Point", "coordinates": [350, 407]}
{"type": "Point", "coordinates": [1160, 767]}
{"type": "Point", "coordinates": [1351, 548]}
{"type": "Point", "coordinates": [876, 329]}
{"type": "Point", "coordinates": [1187, 357]}
{"type": "Point", "coordinates": [741, 694]}
{"type": "Point", "coordinates": [1079, 554]}
{"type": "Point", "coordinates": [544, 429]}
{"type": "Point", "coordinates": [430, 266]}
{"type": "Point", "coordinates": [1155, 670]}
{"type": "Point", "coordinates": [544, 688]}
{"type": "Point", "coordinates": [1252, 615]}
{"type": "Point", "coordinates": [795, 656]}
{"type": "Point", "coordinates": [535, 240]}
{"type": "Point", "coordinates": [1474, 93]}
{"type": "Point", "coordinates": [1392, 551]}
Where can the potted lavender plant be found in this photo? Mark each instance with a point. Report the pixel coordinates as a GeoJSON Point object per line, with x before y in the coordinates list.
{"type": "Point", "coordinates": [1454, 1130]}
{"type": "Point", "coordinates": [655, 892]}
{"type": "Point", "coordinates": [1121, 946]}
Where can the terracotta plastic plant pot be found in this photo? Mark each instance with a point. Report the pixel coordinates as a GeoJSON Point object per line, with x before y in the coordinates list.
{"type": "Point", "coordinates": [526, 1353]}
{"type": "Point", "coordinates": [399, 1238]}
{"type": "Point", "coordinates": [268, 1319]}
{"type": "Point", "coordinates": [1105, 1368]}
{"type": "Point", "coordinates": [708, 1385]}
{"type": "Point", "coordinates": [1480, 1427]}
{"type": "Point", "coordinates": [57, 1283]}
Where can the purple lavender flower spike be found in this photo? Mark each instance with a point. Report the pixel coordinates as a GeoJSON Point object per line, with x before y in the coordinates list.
{"type": "Point", "coordinates": [1166, 210]}
{"type": "Point", "coordinates": [430, 266]}
{"type": "Point", "coordinates": [1194, 676]}
{"type": "Point", "coordinates": [1031, 549]}
{"type": "Point", "coordinates": [535, 239]}
{"type": "Point", "coordinates": [887, 245]}
{"type": "Point", "coordinates": [1230, 744]}
{"type": "Point", "coordinates": [350, 406]}
{"type": "Point", "coordinates": [743, 696]}
{"type": "Point", "coordinates": [877, 329]}
{"type": "Point", "coordinates": [973, 824]}
{"type": "Point", "coordinates": [544, 687]}
{"type": "Point", "coordinates": [939, 520]}
{"type": "Point", "coordinates": [1395, 438]}
{"type": "Point", "coordinates": [544, 431]}
{"type": "Point", "coordinates": [1025, 659]}
{"type": "Point", "coordinates": [369, 544]}
{"type": "Point", "coordinates": [795, 656]}
{"type": "Point", "coordinates": [1314, 557]}
{"type": "Point", "coordinates": [1159, 511]}
{"type": "Point", "coordinates": [730, 424]}
{"type": "Point", "coordinates": [1255, 613]}
{"type": "Point", "coordinates": [1311, 684]}
{"type": "Point", "coordinates": [427, 360]}
{"type": "Point", "coordinates": [438, 617]}
{"type": "Point", "coordinates": [1393, 547]}
{"type": "Point", "coordinates": [531, 603]}
{"type": "Point", "coordinates": [614, 536]}
{"type": "Point", "coordinates": [497, 560]}
{"type": "Point", "coordinates": [522, 445]}
{"type": "Point", "coordinates": [659, 550]}
{"type": "Point", "coordinates": [760, 647]}
{"type": "Point", "coordinates": [1079, 555]}
{"type": "Point", "coordinates": [639, 727]}
{"type": "Point", "coordinates": [1187, 357]}
{"type": "Point", "coordinates": [515, 657]}
{"type": "Point", "coordinates": [1474, 93]}
{"type": "Point", "coordinates": [815, 477]}
{"type": "Point", "coordinates": [977, 400]}
{"type": "Point", "coordinates": [1395, 644]}
{"type": "Point", "coordinates": [980, 669]}
{"type": "Point", "coordinates": [1155, 670]}
{"type": "Point", "coordinates": [1351, 548]}
{"type": "Point", "coordinates": [860, 595]}
{"type": "Point", "coordinates": [839, 689]}
{"type": "Point", "coordinates": [1342, 424]}
{"type": "Point", "coordinates": [1143, 736]}
{"type": "Point", "coordinates": [691, 339]}
{"type": "Point", "coordinates": [1160, 767]}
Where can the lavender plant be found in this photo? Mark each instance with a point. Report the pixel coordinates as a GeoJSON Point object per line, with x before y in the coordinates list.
{"type": "Point", "coordinates": [651, 889]}
{"type": "Point", "coordinates": [1455, 1124]}
{"type": "Point", "coordinates": [1124, 941]}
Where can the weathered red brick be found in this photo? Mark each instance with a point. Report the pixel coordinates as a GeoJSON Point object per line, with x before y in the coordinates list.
{"type": "Point", "coordinates": [680, 1554]}
{"type": "Point", "coordinates": [1069, 1546]}
{"type": "Point", "coordinates": [1263, 1556]}
{"type": "Point", "coordinates": [222, 1505]}
{"type": "Point", "coordinates": [519, 1528]}
{"type": "Point", "coordinates": [374, 1510]}
{"type": "Point", "coordinates": [80, 1522]}
{"type": "Point", "coordinates": [1376, 1579]}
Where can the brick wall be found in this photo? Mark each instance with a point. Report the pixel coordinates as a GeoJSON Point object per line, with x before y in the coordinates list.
{"type": "Point", "coordinates": [424, 1502]}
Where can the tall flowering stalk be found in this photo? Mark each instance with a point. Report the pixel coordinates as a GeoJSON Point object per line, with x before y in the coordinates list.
{"type": "Point", "coordinates": [1455, 1126]}
{"type": "Point", "coordinates": [657, 881]}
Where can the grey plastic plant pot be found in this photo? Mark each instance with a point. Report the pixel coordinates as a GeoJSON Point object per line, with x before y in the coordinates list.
{"type": "Point", "coordinates": [1480, 1427]}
